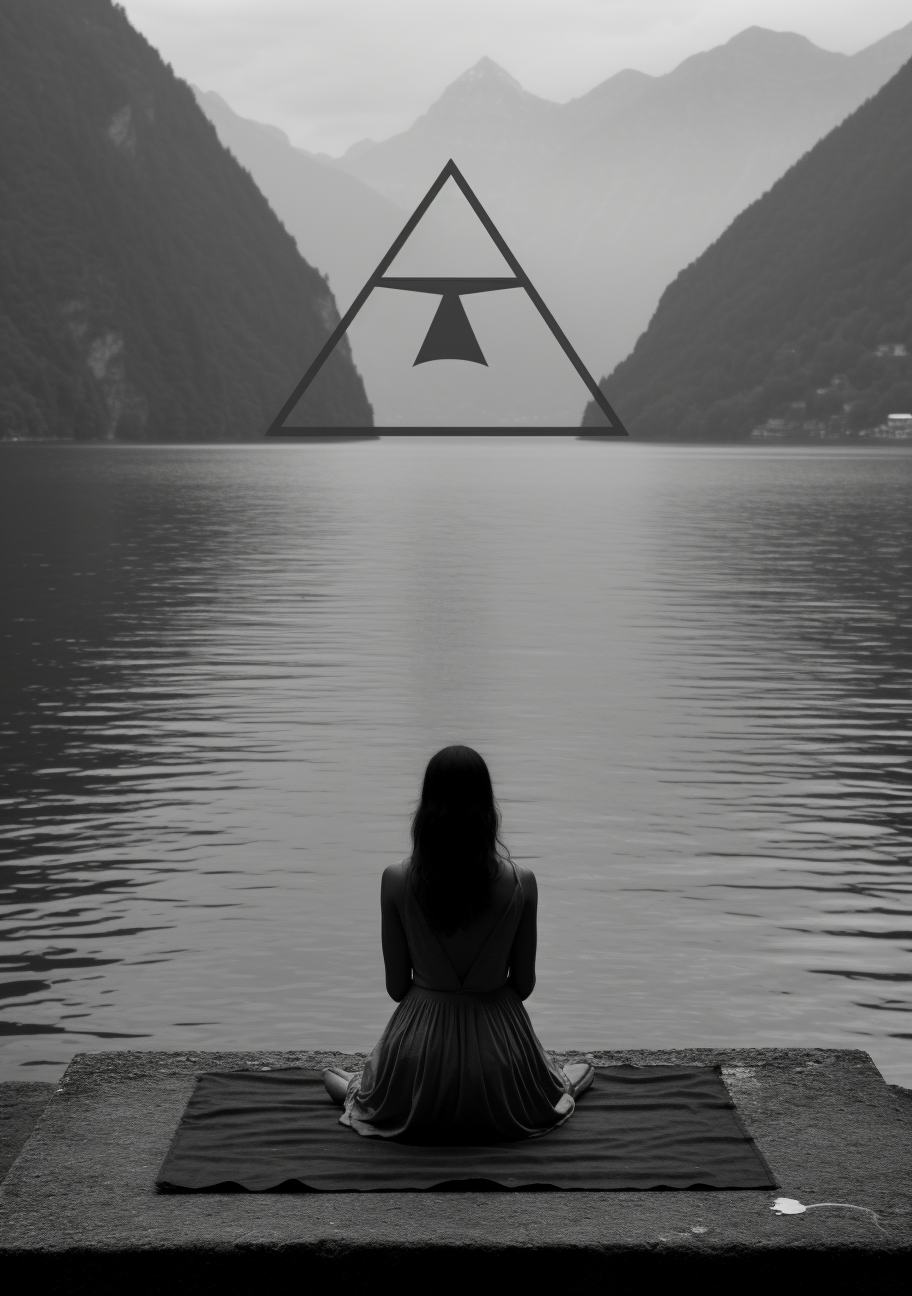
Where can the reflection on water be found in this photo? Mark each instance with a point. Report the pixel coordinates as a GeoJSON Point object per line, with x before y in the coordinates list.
{"type": "Point", "coordinates": [224, 669]}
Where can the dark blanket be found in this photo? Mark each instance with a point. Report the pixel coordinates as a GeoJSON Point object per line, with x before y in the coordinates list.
{"type": "Point", "coordinates": [637, 1127]}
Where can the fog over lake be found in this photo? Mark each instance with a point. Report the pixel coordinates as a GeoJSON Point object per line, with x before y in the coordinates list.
{"type": "Point", "coordinates": [690, 670]}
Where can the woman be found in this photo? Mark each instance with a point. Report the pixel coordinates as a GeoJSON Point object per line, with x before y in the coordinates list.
{"type": "Point", "coordinates": [459, 1060]}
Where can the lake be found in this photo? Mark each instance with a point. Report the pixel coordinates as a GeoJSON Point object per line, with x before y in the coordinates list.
{"type": "Point", "coordinates": [224, 668]}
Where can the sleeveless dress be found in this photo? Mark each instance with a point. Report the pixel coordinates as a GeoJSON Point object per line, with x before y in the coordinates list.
{"type": "Point", "coordinates": [458, 1061]}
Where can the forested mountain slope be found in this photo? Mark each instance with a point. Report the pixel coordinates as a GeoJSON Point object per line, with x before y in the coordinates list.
{"type": "Point", "coordinates": [147, 290]}
{"type": "Point", "coordinates": [802, 310]}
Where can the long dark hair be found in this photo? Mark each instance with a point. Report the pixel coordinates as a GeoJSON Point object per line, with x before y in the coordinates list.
{"type": "Point", "coordinates": [456, 849]}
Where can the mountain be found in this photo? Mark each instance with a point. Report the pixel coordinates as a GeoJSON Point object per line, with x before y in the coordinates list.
{"type": "Point", "coordinates": [606, 198]}
{"type": "Point", "coordinates": [485, 121]}
{"type": "Point", "coordinates": [799, 318]}
{"type": "Point", "coordinates": [345, 227]}
{"type": "Point", "coordinates": [339, 224]}
{"type": "Point", "coordinates": [147, 290]}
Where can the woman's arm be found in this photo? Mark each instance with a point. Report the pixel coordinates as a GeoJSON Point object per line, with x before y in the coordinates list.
{"type": "Point", "coordinates": [396, 957]}
{"type": "Point", "coordinates": [522, 955]}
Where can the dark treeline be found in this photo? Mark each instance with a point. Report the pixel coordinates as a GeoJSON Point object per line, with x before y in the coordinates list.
{"type": "Point", "coordinates": [147, 291]}
{"type": "Point", "coordinates": [802, 310]}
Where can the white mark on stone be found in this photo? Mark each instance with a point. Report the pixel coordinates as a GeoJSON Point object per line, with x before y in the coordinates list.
{"type": "Point", "coordinates": [791, 1206]}
{"type": "Point", "coordinates": [788, 1206]}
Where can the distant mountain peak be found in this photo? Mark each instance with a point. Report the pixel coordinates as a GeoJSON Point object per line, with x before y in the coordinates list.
{"type": "Point", "coordinates": [765, 38]}
{"type": "Point", "coordinates": [486, 88]}
{"type": "Point", "coordinates": [758, 51]}
{"type": "Point", "coordinates": [487, 70]}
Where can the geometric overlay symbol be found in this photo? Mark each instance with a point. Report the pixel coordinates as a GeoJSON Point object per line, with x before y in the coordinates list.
{"type": "Point", "coordinates": [450, 335]}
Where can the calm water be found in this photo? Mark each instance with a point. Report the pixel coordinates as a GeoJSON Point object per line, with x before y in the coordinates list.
{"type": "Point", "coordinates": [224, 669]}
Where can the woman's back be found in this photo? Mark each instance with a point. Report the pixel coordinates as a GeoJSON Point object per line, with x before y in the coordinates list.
{"type": "Point", "coordinates": [474, 958]}
{"type": "Point", "coordinates": [463, 947]}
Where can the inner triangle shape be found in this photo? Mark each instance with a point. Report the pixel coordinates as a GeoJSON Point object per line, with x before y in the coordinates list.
{"type": "Point", "coordinates": [450, 336]}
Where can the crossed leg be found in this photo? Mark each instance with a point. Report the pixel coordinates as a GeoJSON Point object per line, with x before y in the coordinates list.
{"type": "Point", "coordinates": [337, 1081]}
{"type": "Point", "coordinates": [580, 1075]}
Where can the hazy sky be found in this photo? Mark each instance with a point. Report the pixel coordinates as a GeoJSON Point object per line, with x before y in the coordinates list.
{"type": "Point", "coordinates": [330, 72]}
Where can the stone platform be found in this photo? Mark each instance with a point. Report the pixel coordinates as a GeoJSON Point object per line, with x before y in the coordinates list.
{"type": "Point", "coordinates": [79, 1212]}
{"type": "Point", "coordinates": [21, 1104]}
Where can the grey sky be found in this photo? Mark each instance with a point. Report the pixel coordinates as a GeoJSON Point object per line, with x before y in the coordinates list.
{"type": "Point", "coordinates": [330, 72]}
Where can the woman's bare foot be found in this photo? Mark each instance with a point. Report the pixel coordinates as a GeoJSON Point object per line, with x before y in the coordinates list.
{"type": "Point", "coordinates": [337, 1081]}
{"type": "Point", "coordinates": [564, 1105]}
{"type": "Point", "coordinates": [580, 1075]}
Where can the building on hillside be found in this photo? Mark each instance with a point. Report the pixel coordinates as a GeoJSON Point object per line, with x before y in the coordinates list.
{"type": "Point", "coordinates": [773, 428]}
{"type": "Point", "coordinates": [900, 426]}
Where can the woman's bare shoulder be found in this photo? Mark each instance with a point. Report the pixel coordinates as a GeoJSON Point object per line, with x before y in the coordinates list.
{"type": "Point", "coordinates": [392, 884]}
{"type": "Point", "coordinates": [527, 882]}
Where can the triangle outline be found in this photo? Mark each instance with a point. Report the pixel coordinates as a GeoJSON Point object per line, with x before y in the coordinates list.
{"type": "Point", "coordinates": [441, 285]}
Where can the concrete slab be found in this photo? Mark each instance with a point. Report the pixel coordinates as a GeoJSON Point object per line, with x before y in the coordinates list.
{"type": "Point", "coordinates": [79, 1212]}
{"type": "Point", "coordinates": [21, 1103]}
